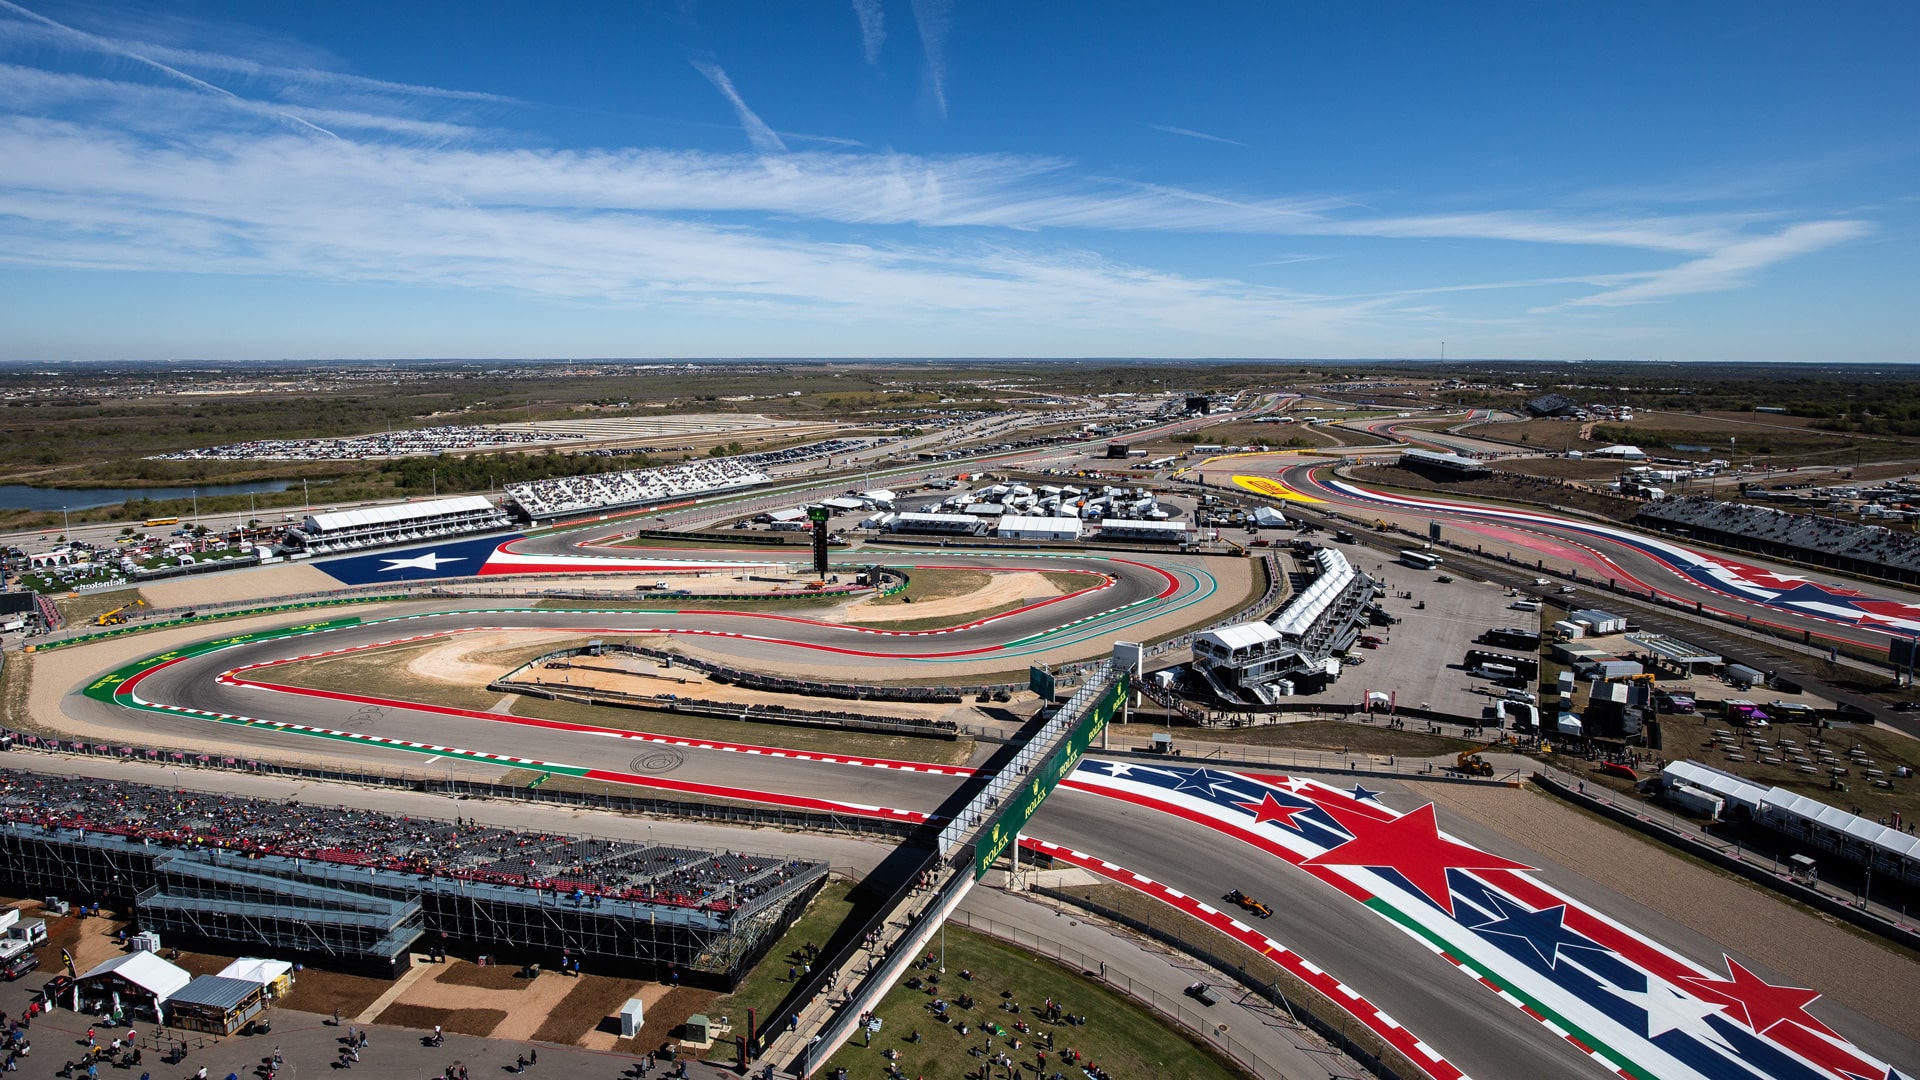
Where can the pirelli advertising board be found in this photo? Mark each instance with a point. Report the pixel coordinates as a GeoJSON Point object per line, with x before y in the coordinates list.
{"type": "Point", "coordinates": [1026, 802]}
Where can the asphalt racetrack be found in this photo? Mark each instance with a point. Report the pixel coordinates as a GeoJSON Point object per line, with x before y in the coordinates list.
{"type": "Point", "coordinates": [1498, 970]}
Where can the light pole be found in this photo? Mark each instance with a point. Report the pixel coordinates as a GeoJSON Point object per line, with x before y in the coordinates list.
{"type": "Point", "coordinates": [66, 529]}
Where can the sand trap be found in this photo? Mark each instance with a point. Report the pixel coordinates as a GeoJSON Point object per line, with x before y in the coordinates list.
{"type": "Point", "coordinates": [460, 659]}
{"type": "Point", "coordinates": [1006, 587]}
{"type": "Point", "coordinates": [260, 584]}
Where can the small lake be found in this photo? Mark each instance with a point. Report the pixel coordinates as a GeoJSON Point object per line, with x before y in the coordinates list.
{"type": "Point", "coordinates": [22, 497]}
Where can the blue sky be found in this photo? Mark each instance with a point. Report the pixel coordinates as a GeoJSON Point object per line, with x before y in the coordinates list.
{"type": "Point", "coordinates": [1684, 182]}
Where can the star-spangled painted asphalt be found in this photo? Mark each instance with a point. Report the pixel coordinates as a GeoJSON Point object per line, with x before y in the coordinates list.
{"type": "Point", "coordinates": [1596, 981]}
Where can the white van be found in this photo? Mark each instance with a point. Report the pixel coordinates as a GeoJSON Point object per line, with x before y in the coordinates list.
{"type": "Point", "coordinates": [1525, 605]}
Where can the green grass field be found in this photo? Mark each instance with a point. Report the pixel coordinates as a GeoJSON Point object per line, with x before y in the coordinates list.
{"type": "Point", "coordinates": [1119, 1036]}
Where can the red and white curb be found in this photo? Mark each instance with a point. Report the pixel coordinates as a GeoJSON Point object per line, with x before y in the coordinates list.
{"type": "Point", "coordinates": [1350, 1001]}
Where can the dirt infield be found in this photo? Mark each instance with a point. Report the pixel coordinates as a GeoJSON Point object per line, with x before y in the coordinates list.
{"type": "Point", "coordinates": [1745, 918]}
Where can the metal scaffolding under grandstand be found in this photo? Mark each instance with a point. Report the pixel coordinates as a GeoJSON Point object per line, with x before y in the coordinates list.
{"type": "Point", "coordinates": [355, 889]}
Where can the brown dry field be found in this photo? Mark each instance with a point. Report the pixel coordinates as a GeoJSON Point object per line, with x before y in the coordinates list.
{"type": "Point", "coordinates": [327, 992]}
{"type": "Point", "coordinates": [594, 999]}
{"type": "Point", "coordinates": [491, 977]}
{"type": "Point", "coordinates": [479, 1022]}
{"type": "Point", "coordinates": [1745, 918]}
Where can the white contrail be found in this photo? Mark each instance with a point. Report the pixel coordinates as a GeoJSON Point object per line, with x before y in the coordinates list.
{"type": "Point", "coordinates": [935, 18]}
{"type": "Point", "coordinates": [873, 27]}
{"type": "Point", "coordinates": [104, 45]}
{"type": "Point", "coordinates": [763, 137]}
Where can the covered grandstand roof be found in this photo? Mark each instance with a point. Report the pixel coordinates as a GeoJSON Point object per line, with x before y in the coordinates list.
{"type": "Point", "coordinates": [1022, 525]}
{"type": "Point", "coordinates": [1867, 832]}
{"type": "Point", "coordinates": [1734, 789]}
{"type": "Point", "coordinates": [1245, 635]}
{"type": "Point", "coordinates": [1751, 795]}
{"type": "Point", "coordinates": [1312, 602]}
{"type": "Point", "coordinates": [341, 520]}
{"type": "Point", "coordinates": [1168, 529]}
{"type": "Point", "coordinates": [1436, 459]}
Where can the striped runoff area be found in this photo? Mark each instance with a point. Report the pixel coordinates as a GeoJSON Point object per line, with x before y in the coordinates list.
{"type": "Point", "coordinates": [1631, 1005]}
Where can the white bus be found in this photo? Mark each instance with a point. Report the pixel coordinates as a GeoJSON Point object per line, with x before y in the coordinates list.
{"type": "Point", "coordinates": [1420, 560]}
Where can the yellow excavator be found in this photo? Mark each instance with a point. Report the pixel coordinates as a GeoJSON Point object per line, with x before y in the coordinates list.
{"type": "Point", "coordinates": [117, 615]}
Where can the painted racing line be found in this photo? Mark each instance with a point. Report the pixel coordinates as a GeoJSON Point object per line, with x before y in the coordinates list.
{"type": "Point", "coordinates": [1416, 1050]}
{"type": "Point", "coordinates": [1632, 1006]}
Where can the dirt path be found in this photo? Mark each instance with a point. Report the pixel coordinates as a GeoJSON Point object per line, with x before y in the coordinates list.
{"type": "Point", "coordinates": [1746, 919]}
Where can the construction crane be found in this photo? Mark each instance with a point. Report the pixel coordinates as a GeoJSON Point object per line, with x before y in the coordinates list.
{"type": "Point", "coordinates": [117, 615]}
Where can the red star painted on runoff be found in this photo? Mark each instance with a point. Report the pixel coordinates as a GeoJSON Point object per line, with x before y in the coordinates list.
{"type": "Point", "coordinates": [1758, 1003]}
{"type": "Point", "coordinates": [1410, 844]}
{"type": "Point", "coordinates": [1270, 809]}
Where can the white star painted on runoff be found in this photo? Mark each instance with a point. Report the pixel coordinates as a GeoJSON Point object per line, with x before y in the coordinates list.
{"type": "Point", "coordinates": [430, 561]}
{"type": "Point", "coordinates": [1671, 1009]}
{"type": "Point", "coordinates": [1297, 784]}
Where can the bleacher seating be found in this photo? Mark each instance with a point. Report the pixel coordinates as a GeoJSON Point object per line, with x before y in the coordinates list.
{"type": "Point", "coordinates": [563, 495]}
{"type": "Point", "coordinates": [588, 866]}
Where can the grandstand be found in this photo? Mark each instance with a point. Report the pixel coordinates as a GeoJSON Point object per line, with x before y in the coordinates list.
{"type": "Point", "coordinates": [1868, 550]}
{"type": "Point", "coordinates": [937, 524]}
{"type": "Point", "coordinates": [355, 888]}
{"type": "Point", "coordinates": [541, 499]}
{"type": "Point", "coordinates": [1442, 466]}
{"type": "Point", "coordinates": [1264, 661]}
{"type": "Point", "coordinates": [1164, 532]}
{"type": "Point", "coordinates": [402, 523]}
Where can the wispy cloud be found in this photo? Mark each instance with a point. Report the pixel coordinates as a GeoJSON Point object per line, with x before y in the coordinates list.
{"type": "Point", "coordinates": [758, 133]}
{"type": "Point", "coordinates": [873, 27]}
{"type": "Point", "coordinates": [1192, 134]}
{"type": "Point", "coordinates": [1731, 266]}
{"type": "Point", "coordinates": [145, 163]}
{"type": "Point", "coordinates": [935, 20]}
